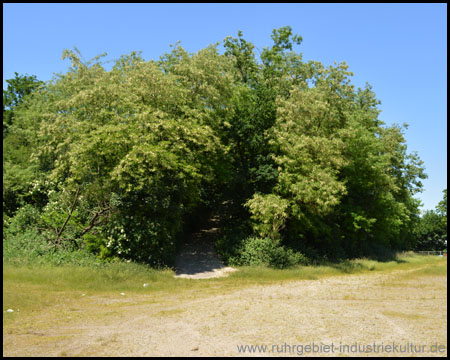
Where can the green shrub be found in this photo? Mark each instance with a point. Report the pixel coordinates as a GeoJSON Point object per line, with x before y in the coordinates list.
{"type": "Point", "coordinates": [6, 220]}
{"type": "Point", "coordinates": [27, 244]}
{"type": "Point", "coordinates": [21, 236]}
{"type": "Point", "coordinates": [228, 246]}
{"type": "Point", "coordinates": [26, 217]}
{"type": "Point", "coordinates": [137, 236]}
{"type": "Point", "coordinates": [257, 251]}
{"type": "Point", "coordinates": [96, 244]}
{"type": "Point", "coordinates": [30, 247]}
{"type": "Point", "coordinates": [24, 243]}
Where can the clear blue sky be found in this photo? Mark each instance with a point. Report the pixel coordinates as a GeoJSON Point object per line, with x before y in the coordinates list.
{"type": "Point", "coordinates": [400, 49]}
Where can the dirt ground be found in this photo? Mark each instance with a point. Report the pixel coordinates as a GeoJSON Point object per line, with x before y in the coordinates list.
{"type": "Point", "coordinates": [382, 309]}
{"type": "Point", "coordinates": [198, 258]}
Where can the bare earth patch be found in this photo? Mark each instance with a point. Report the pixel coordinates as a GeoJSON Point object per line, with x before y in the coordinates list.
{"type": "Point", "coordinates": [198, 259]}
{"type": "Point", "coordinates": [374, 308]}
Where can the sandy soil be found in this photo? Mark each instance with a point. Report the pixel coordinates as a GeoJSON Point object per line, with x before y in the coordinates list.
{"type": "Point", "coordinates": [374, 308]}
{"type": "Point", "coordinates": [198, 258]}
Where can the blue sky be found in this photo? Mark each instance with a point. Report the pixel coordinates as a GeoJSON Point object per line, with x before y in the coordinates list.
{"type": "Point", "coordinates": [400, 49]}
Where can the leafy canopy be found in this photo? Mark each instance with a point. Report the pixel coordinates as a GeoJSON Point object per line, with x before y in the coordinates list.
{"type": "Point", "coordinates": [121, 161]}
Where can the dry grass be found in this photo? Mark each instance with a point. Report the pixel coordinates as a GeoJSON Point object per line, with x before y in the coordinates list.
{"type": "Point", "coordinates": [401, 303]}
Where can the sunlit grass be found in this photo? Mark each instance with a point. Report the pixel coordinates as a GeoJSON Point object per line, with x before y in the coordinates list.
{"type": "Point", "coordinates": [33, 288]}
{"type": "Point", "coordinates": [401, 315]}
{"type": "Point", "coordinates": [45, 298]}
{"type": "Point", "coordinates": [131, 276]}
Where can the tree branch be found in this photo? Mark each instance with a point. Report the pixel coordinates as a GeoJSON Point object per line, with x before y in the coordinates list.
{"type": "Point", "coordinates": [58, 233]}
{"type": "Point", "coordinates": [92, 223]}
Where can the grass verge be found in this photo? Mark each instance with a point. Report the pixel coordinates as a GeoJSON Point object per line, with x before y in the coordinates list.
{"type": "Point", "coordinates": [31, 288]}
{"type": "Point", "coordinates": [55, 305]}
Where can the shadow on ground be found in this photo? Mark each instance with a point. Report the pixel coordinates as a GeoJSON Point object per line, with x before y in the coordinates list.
{"type": "Point", "coordinates": [197, 258]}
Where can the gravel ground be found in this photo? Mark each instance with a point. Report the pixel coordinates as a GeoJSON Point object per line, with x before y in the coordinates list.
{"type": "Point", "coordinates": [381, 309]}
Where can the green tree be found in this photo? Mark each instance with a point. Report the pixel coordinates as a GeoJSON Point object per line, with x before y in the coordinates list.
{"type": "Point", "coordinates": [122, 161]}
{"type": "Point", "coordinates": [431, 229]}
{"type": "Point", "coordinates": [18, 142]}
{"type": "Point", "coordinates": [14, 95]}
{"type": "Point", "coordinates": [129, 151]}
{"type": "Point", "coordinates": [441, 209]}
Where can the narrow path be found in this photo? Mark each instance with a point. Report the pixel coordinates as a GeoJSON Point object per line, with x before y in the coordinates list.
{"type": "Point", "coordinates": [198, 258]}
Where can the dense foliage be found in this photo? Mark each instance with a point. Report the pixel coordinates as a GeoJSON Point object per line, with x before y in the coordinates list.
{"type": "Point", "coordinates": [431, 230]}
{"type": "Point", "coordinates": [123, 162]}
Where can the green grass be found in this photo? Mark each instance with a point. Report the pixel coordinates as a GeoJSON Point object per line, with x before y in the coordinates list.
{"type": "Point", "coordinates": [108, 277]}
{"type": "Point", "coordinates": [131, 276]}
{"type": "Point", "coordinates": [46, 297]}
{"type": "Point", "coordinates": [403, 262]}
{"type": "Point", "coordinates": [31, 288]}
